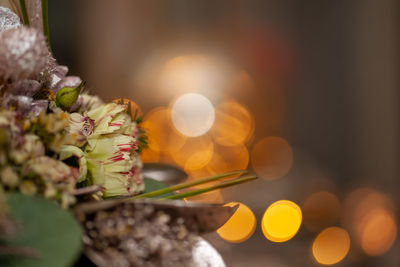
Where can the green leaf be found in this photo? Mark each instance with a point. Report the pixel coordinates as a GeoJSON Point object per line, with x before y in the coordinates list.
{"type": "Point", "coordinates": [45, 227]}
{"type": "Point", "coordinates": [153, 185]}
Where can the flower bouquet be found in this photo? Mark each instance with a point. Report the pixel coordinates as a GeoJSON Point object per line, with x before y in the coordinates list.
{"type": "Point", "coordinates": [73, 189]}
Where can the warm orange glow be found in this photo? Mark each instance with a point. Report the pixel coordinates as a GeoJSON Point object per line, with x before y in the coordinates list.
{"type": "Point", "coordinates": [370, 216]}
{"type": "Point", "coordinates": [331, 246]}
{"type": "Point", "coordinates": [209, 197]}
{"type": "Point", "coordinates": [195, 153]}
{"type": "Point", "coordinates": [378, 232]}
{"type": "Point", "coordinates": [179, 73]}
{"type": "Point", "coordinates": [149, 155]}
{"type": "Point", "coordinates": [215, 166]}
{"type": "Point", "coordinates": [192, 114]}
{"type": "Point", "coordinates": [136, 111]}
{"type": "Point", "coordinates": [320, 210]}
{"type": "Point", "coordinates": [235, 157]}
{"type": "Point", "coordinates": [240, 226]}
{"type": "Point", "coordinates": [272, 158]}
{"type": "Point", "coordinates": [281, 221]}
{"type": "Point", "coordinates": [162, 135]}
{"type": "Point", "coordinates": [233, 125]}
{"type": "Point", "coordinates": [191, 74]}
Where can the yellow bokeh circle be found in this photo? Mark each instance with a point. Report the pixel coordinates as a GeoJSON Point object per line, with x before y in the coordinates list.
{"type": "Point", "coordinates": [240, 226]}
{"type": "Point", "coordinates": [281, 221]}
{"type": "Point", "coordinates": [331, 246]}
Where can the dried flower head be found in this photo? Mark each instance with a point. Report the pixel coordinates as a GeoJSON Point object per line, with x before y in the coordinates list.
{"type": "Point", "coordinates": [23, 54]}
{"type": "Point", "coordinates": [8, 19]}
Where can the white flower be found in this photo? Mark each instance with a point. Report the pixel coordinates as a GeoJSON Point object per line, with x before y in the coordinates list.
{"type": "Point", "coordinates": [81, 127]}
{"type": "Point", "coordinates": [114, 164]}
{"type": "Point", "coordinates": [109, 158]}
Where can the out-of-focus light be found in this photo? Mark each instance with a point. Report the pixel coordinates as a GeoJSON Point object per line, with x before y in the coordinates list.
{"type": "Point", "coordinates": [216, 165]}
{"type": "Point", "coordinates": [370, 216]}
{"type": "Point", "coordinates": [331, 246]}
{"type": "Point", "coordinates": [135, 110]}
{"type": "Point", "coordinates": [235, 157]}
{"type": "Point", "coordinates": [272, 157]}
{"type": "Point", "coordinates": [192, 114]}
{"type": "Point", "coordinates": [224, 159]}
{"type": "Point", "coordinates": [195, 153]}
{"type": "Point", "coordinates": [209, 197]}
{"type": "Point", "coordinates": [378, 232]}
{"type": "Point", "coordinates": [233, 125]}
{"type": "Point", "coordinates": [320, 210]}
{"type": "Point", "coordinates": [240, 226]}
{"type": "Point", "coordinates": [150, 155]}
{"type": "Point", "coordinates": [162, 135]}
{"type": "Point", "coordinates": [190, 73]}
{"type": "Point", "coordinates": [281, 221]}
{"type": "Point", "coordinates": [242, 84]}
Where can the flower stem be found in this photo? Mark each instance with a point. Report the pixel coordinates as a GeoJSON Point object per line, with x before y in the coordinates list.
{"type": "Point", "coordinates": [212, 188]}
{"type": "Point", "coordinates": [45, 18]}
{"type": "Point", "coordinates": [24, 12]}
{"type": "Point", "coordinates": [187, 184]}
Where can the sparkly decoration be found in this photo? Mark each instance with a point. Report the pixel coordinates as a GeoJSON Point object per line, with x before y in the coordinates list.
{"type": "Point", "coordinates": [23, 54]}
{"type": "Point", "coordinates": [137, 236]}
{"type": "Point", "coordinates": [8, 19]}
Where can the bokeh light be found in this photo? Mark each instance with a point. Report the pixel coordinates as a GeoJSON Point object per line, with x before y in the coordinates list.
{"type": "Point", "coordinates": [150, 155]}
{"type": "Point", "coordinates": [191, 73]}
{"type": "Point", "coordinates": [211, 197]}
{"type": "Point", "coordinates": [320, 210]}
{"type": "Point", "coordinates": [215, 166]}
{"type": "Point", "coordinates": [192, 114]}
{"type": "Point", "coordinates": [236, 157]}
{"type": "Point", "coordinates": [242, 84]}
{"type": "Point", "coordinates": [195, 153]}
{"type": "Point", "coordinates": [272, 158]}
{"type": "Point", "coordinates": [240, 226]}
{"type": "Point", "coordinates": [331, 246]}
{"type": "Point", "coordinates": [162, 135]}
{"type": "Point", "coordinates": [233, 125]}
{"type": "Point", "coordinates": [370, 216]}
{"type": "Point", "coordinates": [378, 232]}
{"type": "Point", "coordinates": [281, 221]}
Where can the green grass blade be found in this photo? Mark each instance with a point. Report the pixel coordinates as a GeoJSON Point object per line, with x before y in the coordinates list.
{"type": "Point", "coordinates": [45, 17]}
{"type": "Point", "coordinates": [212, 188]}
{"type": "Point", "coordinates": [24, 12]}
{"type": "Point", "coordinates": [187, 184]}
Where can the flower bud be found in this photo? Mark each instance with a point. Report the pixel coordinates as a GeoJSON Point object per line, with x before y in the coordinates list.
{"type": "Point", "coordinates": [67, 96]}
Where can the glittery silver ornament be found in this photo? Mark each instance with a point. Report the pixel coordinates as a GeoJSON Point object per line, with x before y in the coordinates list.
{"type": "Point", "coordinates": [205, 255]}
{"type": "Point", "coordinates": [8, 19]}
{"type": "Point", "coordinates": [23, 54]}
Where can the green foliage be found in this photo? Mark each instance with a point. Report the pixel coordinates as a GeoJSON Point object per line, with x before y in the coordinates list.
{"type": "Point", "coordinates": [52, 232]}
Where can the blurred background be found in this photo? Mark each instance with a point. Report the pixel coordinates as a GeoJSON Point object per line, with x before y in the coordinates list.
{"type": "Point", "coordinates": [302, 93]}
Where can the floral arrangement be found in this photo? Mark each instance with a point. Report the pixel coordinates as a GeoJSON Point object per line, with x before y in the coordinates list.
{"type": "Point", "coordinates": [70, 170]}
